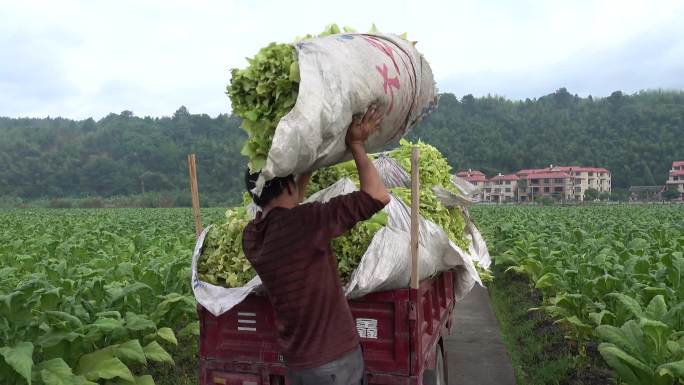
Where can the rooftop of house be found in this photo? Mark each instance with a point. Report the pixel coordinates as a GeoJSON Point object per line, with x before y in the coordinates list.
{"type": "Point", "coordinates": [472, 175]}
{"type": "Point", "coordinates": [505, 177]}
{"type": "Point", "coordinates": [567, 169]}
{"type": "Point", "coordinates": [552, 174]}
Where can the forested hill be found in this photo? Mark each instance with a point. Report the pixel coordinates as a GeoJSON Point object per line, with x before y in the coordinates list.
{"type": "Point", "coordinates": [636, 136]}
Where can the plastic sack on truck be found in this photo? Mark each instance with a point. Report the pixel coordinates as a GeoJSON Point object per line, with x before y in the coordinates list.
{"type": "Point", "coordinates": [385, 265]}
{"type": "Point", "coordinates": [340, 76]}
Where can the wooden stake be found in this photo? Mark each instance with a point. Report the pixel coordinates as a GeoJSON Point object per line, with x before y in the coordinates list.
{"type": "Point", "coordinates": [415, 204]}
{"type": "Point", "coordinates": [192, 168]}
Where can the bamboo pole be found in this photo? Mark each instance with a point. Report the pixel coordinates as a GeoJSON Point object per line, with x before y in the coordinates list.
{"type": "Point", "coordinates": [192, 168]}
{"type": "Point", "coordinates": [415, 203]}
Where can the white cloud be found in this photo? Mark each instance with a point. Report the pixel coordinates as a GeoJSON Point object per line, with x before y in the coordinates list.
{"type": "Point", "coordinates": [84, 58]}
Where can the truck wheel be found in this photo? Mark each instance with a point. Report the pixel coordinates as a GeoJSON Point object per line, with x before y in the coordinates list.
{"type": "Point", "coordinates": [436, 376]}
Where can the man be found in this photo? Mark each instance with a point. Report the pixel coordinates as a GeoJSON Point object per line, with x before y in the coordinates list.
{"type": "Point", "coordinates": [288, 245]}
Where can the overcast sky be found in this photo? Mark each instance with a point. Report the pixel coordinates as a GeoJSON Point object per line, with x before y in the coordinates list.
{"type": "Point", "coordinates": [79, 59]}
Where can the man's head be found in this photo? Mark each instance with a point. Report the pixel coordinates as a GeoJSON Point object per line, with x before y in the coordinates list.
{"type": "Point", "coordinates": [277, 190]}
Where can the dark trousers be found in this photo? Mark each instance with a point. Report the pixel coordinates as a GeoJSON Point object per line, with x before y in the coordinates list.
{"type": "Point", "coordinates": [346, 370]}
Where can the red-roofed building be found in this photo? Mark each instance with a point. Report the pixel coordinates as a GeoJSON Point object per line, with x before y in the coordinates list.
{"type": "Point", "coordinates": [580, 180]}
{"type": "Point", "coordinates": [534, 184]}
{"type": "Point", "coordinates": [559, 182]}
{"type": "Point", "coordinates": [477, 178]}
{"type": "Point", "coordinates": [676, 179]}
{"type": "Point", "coordinates": [502, 188]}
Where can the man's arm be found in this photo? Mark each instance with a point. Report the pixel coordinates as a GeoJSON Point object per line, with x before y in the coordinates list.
{"type": "Point", "coordinates": [357, 134]}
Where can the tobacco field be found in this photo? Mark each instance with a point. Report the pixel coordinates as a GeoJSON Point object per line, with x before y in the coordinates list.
{"type": "Point", "coordinates": [609, 275]}
{"type": "Point", "coordinates": [101, 296]}
{"type": "Point", "coordinates": [93, 296]}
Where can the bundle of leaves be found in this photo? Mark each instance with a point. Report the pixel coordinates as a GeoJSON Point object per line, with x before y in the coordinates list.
{"type": "Point", "coordinates": [265, 91]}
{"type": "Point", "coordinates": [327, 176]}
{"type": "Point", "coordinates": [434, 168]}
{"type": "Point", "coordinates": [350, 247]}
{"type": "Point", "coordinates": [449, 219]}
{"type": "Point", "coordinates": [434, 171]}
{"type": "Point", "coordinates": [261, 95]}
{"type": "Point", "coordinates": [223, 261]}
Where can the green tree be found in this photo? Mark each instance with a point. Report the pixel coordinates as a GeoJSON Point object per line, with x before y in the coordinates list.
{"type": "Point", "coordinates": [671, 194]}
{"type": "Point", "coordinates": [591, 194]}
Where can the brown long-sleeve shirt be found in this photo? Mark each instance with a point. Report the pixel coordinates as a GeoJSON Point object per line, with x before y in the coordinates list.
{"type": "Point", "coordinates": [290, 250]}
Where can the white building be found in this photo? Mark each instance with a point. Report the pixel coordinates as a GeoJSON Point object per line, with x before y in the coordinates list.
{"type": "Point", "coordinates": [676, 179]}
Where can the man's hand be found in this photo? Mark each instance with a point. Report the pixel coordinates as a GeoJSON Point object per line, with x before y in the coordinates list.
{"type": "Point", "coordinates": [362, 127]}
{"type": "Point", "coordinates": [357, 134]}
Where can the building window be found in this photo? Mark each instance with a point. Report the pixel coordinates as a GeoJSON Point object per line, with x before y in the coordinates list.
{"type": "Point", "coordinates": [558, 189]}
{"type": "Point", "coordinates": [508, 189]}
{"type": "Point", "coordinates": [488, 190]}
{"type": "Point", "coordinates": [547, 189]}
{"type": "Point", "coordinates": [546, 180]}
{"type": "Point", "coordinates": [591, 174]}
{"type": "Point", "coordinates": [558, 180]}
{"type": "Point", "coordinates": [508, 182]}
{"type": "Point", "coordinates": [535, 181]}
{"type": "Point", "coordinates": [578, 189]}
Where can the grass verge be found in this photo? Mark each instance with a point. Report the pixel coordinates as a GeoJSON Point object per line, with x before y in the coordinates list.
{"type": "Point", "coordinates": [539, 352]}
{"type": "Point", "coordinates": [186, 369]}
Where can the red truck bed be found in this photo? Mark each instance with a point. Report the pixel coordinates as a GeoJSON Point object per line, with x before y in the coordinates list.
{"type": "Point", "coordinates": [401, 331]}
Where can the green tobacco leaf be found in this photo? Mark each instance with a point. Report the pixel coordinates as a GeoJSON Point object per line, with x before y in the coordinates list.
{"type": "Point", "coordinates": [53, 337]}
{"type": "Point", "coordinates": [20, 358]}
{"type": "Point", "coordinates": [96, 368]}
{"type": "Point", "coordinates": [656, 309]}
{"type": "Point", "coordinates": [167, 335]}
{"type": "Point", "coordinates": [628, 368]}
{"type": "Point", "coordinates": [675, 369]}
{"type": "Point", "coordinates": [70, 319]}
{"type": "Point", "coordinates": [57, 372]}
{"type": "Point", "coordinates": [154, 351]}
{"type": "Point", "coordinates": [674, 315]}
{"type": "Point", "coordinates": [630, 303]}
{"type": "Point", "coordinates": [130, 351]}
{"type": "Point", "coordinates": [621, 339]}
{"type": "Point", "coordinates": [657, 332]}
{"type": "Point", "coordinates": [575, 322]}
{"type": "Point", "coordinates": [192, 329]}
{"type": "Point", "coordinates": [294, 72]}
{"type": "Point", "coordinates": [602, 317]}
{"type": "Point", "coordinates": [139, 323]}
{"type": "Point", "coordinates": [547, 280]}
{"type": "Point", "coordinates": [107, 325]}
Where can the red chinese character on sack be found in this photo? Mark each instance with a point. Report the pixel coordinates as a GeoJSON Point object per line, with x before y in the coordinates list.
{"type": "Point", "coordinates": [384, 48]}
{"type": "Point", "coordinates": [388, 84]}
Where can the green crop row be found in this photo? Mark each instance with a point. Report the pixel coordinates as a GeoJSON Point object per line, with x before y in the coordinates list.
{"type": "Point", "coordinates": [612, 275]}
{"type": "Point", "coordinates": [93, 296]}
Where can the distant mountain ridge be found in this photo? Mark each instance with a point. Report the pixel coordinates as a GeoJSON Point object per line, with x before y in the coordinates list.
{"type": "Point", "coordinates": [635, 136]}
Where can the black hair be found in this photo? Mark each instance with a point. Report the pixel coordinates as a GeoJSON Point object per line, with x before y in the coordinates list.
{"type": "Point", "coordinates": [272, 189]}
